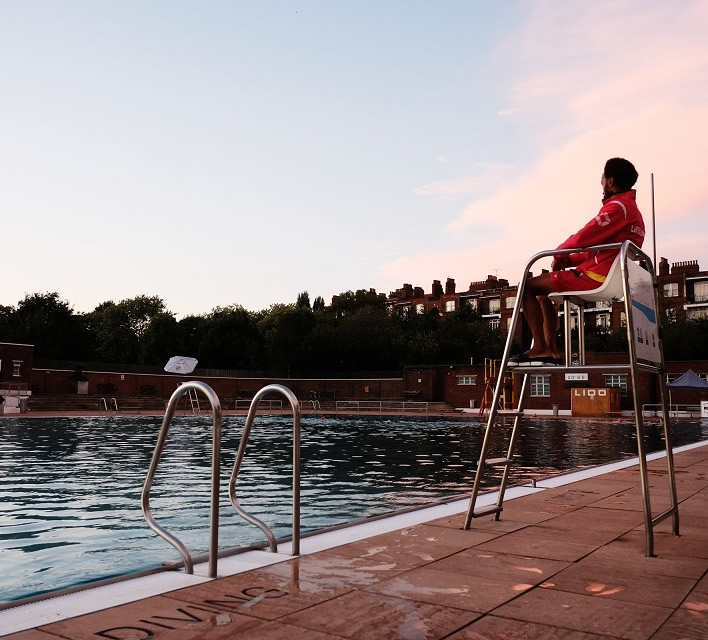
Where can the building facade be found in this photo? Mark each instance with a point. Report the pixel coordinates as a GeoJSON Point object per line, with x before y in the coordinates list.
{"type": "Point", "coordinates": [15, 376]}
{"type": "Point", "coordinates": [683, 295]}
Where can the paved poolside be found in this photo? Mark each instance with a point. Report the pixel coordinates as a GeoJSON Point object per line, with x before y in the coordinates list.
{"type": "Point", "coordinates": [565, 562]}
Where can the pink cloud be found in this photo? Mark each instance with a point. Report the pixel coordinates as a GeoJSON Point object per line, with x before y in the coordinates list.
{"type": "Point", "coordinates": [619, 78]}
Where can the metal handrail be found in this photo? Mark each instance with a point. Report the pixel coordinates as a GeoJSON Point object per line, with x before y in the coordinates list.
{"type": "Point", "coordinates": [14, 388]}
{"type": "Point", "coordinates": [380, 405]}
{"type": "Point", "coordinates": [271, 388]}
{"type": "Point", "coordinates": [215, 471]}
{"type": "Point", "coordinates": [114, 404]}
{"type": "Point", "coordinates": [674, 409]}
{"type": "Point", "coordinates": [102, 401]}
{"type": "Point", "coordinates": [272, 404]}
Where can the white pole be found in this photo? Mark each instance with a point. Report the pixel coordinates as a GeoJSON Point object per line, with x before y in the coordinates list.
{"type": "Point", "coordinates": [653, 220]}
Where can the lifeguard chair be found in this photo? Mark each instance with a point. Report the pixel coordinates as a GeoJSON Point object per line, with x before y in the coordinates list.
{"type": "Point", "coordinates": [631, 279]}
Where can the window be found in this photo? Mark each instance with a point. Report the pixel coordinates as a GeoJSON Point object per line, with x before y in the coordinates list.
{"type": "Point", "coordinates": [466, 380]}
{"type": "Point", "coordinates": [450, 305]}
{"type": "Point", "coordinates": [617, 380]}
{"type": "Point", "coordinates": [494, 323]}
{"type": "Point", "coordinates": [696, 314]}
{"type": "Point", "coordinates": [540, 386]}
{"type": "Point", "coordinates": [473, 303]}
{"type": "Point", "coordinates": [671, 290]}
{"type": "Point", "coordinates": [494, 305]}
{"type": "Point", "coordinates": [16, 365]}
{"type": "Point", "coordinates": [623, 320]}
{"type": "Point", "coordinates": [700, 292]}
{"type": "Point", "coordinates": [510, 302]}
{"type": "Point", "coordinates": [704, 376]}
{"type": "Point", "coordinates": [603, 321]}
{"type": "Point", "coordinates": [671, 315]}
{"type": "Point", "coordinates": [420, 309]}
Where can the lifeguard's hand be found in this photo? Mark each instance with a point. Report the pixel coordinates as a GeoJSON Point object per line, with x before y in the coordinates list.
{"type": "Point", "coordinates": [560, 263]}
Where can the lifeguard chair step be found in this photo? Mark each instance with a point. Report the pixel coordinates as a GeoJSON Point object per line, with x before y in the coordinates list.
{"type": "Point", "coordinates": [497, 462]}
{"type": "Point", "coordinates": [487, 511]}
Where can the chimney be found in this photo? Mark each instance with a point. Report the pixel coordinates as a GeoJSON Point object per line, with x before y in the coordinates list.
{"type": "Point", "coordinates": [450, 286]}
{"type": "Point", "coordinates": [418, 292]}
{"type": "Point", "coordinates": [663, 267]}
{"type": "Point", "coordinates": [437, 289]}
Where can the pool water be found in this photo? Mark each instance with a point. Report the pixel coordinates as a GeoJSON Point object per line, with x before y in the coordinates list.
{"type": "Point", "coordinates": [70, 487]}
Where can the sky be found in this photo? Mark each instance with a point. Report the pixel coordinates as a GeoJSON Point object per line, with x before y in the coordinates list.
{"type": "Point", "coordinates": [237, 152]}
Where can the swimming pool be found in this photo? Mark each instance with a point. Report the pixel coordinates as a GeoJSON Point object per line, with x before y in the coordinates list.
{"type": "Point", "coordinates": [70, 487]}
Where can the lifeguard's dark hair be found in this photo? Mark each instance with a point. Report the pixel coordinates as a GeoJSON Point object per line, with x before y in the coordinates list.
{"type": "Point", "coordinates": [623, 172]}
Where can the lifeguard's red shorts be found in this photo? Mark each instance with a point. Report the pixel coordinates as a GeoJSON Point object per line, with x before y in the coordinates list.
{"type": "Point", "coordinates": [572, 280]}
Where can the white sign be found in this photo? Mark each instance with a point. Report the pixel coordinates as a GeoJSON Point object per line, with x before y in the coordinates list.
{"type": "Point", "coordinates": [576, 377]}
{"type": "Point", "coordinates": [590, 393]}
{"type": "Point", "coordinates": [644, 319]}
{"type": "Point", "coordinates": [704, 408]}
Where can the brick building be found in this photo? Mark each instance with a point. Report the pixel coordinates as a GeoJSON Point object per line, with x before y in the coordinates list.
{"type": "Point", "coordinates": [15, 375]}
{"type": "Point", "coordinates": [683, 295]}
{"type": "Point", "coordinates": [492, 298]}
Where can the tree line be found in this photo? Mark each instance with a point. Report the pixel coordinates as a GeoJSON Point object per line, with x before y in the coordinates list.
{"type": "Point", "coordinates": [357, 332]}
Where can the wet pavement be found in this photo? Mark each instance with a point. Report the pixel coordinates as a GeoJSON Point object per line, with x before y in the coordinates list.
{"type": "Point", "coordinates": [564, 563]}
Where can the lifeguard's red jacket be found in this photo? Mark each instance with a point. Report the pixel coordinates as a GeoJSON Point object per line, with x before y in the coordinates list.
{"type": "Point", "coordinates": [619, 219]}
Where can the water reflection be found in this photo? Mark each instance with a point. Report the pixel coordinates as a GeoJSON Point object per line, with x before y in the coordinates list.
{"type": "Point", "coordinates": [70, 487]}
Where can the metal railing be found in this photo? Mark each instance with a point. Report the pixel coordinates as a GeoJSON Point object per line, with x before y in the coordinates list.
{"type": "Point", "coordinates": [290, 396]}
{"type": "Point", "coordinates": [382, 406]}
{"type": "Point", "coordinates": [108, 405]}
{"type": "Point", "coordinates": [268, 404]}
{"type": "Point", "coordinates": [215, 472]}
{"type": "Point", "coordinates": [14, 388]}
{"type": "Point", "coordinates": [674, 409]}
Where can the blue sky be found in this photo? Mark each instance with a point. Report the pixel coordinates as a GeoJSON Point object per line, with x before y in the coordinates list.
{"type": "Point", "coordinates": [217, 153]}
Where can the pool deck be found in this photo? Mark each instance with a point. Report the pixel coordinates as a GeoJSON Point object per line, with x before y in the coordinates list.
{"type": "Point", "coordinates": [565, 562]}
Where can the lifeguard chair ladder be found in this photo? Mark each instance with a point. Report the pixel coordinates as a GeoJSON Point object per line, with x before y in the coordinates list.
{"type": "Point", "coordinates": [636, 285]}
{"type": "Point", "coordinates": [491, 366]}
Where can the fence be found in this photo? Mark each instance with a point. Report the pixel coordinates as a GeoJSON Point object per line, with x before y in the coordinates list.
{"type": "Point", "coordinates": [684, 410]}
{"type": "Point", "coordinates": [380, 406]}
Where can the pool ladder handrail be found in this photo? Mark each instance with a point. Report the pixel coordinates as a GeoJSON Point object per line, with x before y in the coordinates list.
{"type": "Point", "coordinates": [294, 403]}
{"type": "Point", "coordinates": [215, 472]}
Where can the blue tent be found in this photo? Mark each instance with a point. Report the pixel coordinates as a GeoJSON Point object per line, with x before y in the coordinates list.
{"type": "Point", "coordinates": [689, 381]}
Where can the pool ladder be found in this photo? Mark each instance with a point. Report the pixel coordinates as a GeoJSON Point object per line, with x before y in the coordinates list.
{"type": "Point", "coordinates": [192, 388]}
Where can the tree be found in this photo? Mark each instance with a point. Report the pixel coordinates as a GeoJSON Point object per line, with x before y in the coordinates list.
{"type": "Point", "coordinates": [49, 323]}
{"type": "Point", "coordinates": [160, 341]}
{"type": "Point", "coordinates": [230, 340]}
{"type": "Point", "coordinates": [686, 340]}
{"type": "Point", "coordinates": [303, 300]}
{"type": "Point", "coordinates": [119, 328]}
{"type": "Point", "coordinates": [285, 332]}
{"type": "Point", "coordinates": [319, 304]}
{"type": "Point", "coordinates": [350, 302]}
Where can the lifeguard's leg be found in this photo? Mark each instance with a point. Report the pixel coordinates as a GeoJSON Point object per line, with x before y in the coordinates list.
{"type": "Point", "coordinates": [536, 313]}
{"type": "Point", "coordinates": [550, 325]}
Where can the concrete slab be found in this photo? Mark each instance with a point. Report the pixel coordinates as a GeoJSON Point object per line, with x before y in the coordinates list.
{"type": "Point", "coordinates": [587, 613]}
{"type": "Point", "coordinates": [487, 564]}
{"type": "Point", "coordinates": [361, 615]}
{"type": "Point", "coordinates": [495, 628]}
{"type": "Point", "coordinates": [452, 589]}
